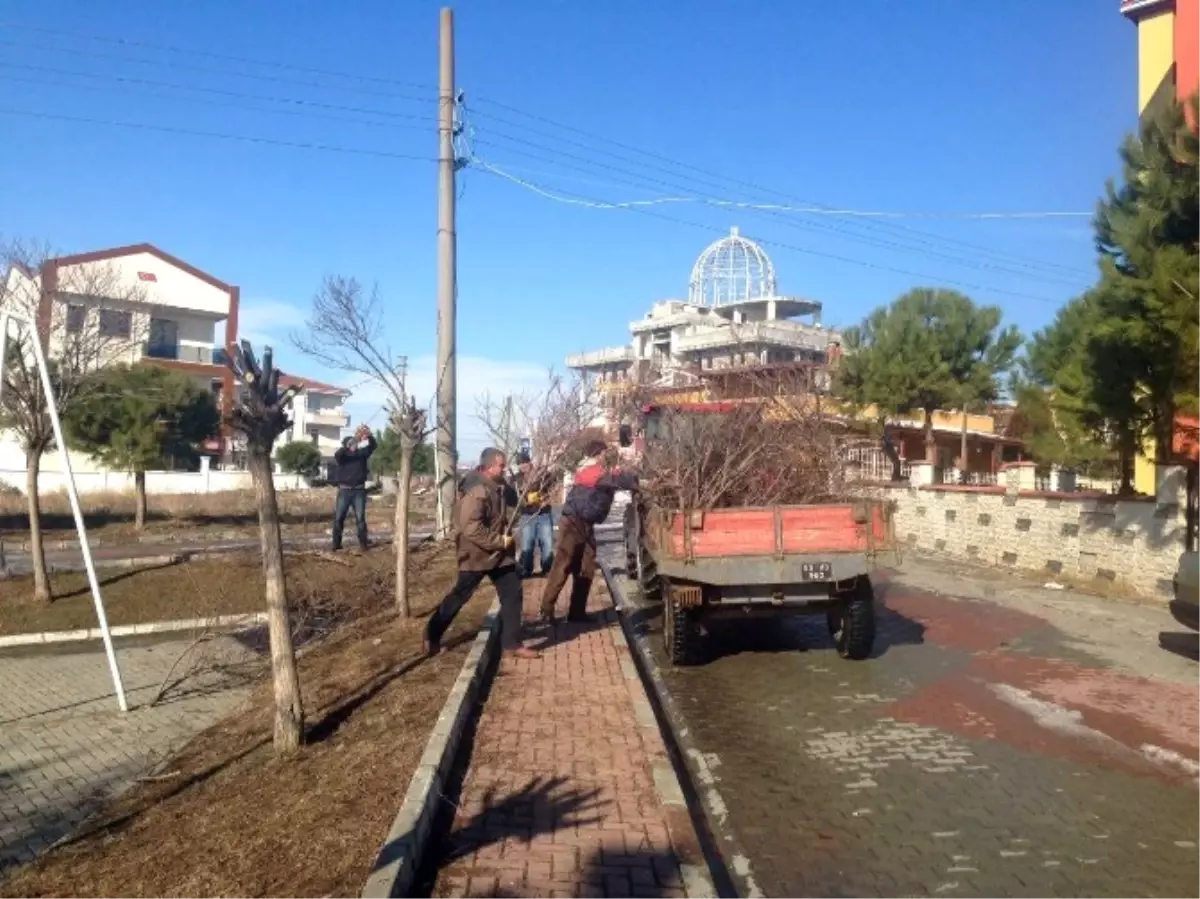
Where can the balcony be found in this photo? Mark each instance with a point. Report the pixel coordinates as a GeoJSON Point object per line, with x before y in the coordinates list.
{"type": "Point", "coordinates": [175, 352]}
{"type": "Point", "coordinates": [329, 417]}
{"type": "Point", "coordinates": [607, 356]}
{"type": "Point", "coordinates": [771, 334]}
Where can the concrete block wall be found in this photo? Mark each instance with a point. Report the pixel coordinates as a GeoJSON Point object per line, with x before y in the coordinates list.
{"type": "Point", "coordinates": [1133, 544]}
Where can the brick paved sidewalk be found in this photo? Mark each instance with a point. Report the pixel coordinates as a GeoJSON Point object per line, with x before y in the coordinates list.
{"type": "Point", "coordinates": [560, 795]}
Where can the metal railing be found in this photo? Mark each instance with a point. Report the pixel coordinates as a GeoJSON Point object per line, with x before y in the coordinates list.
{"type": "Point", "coordinates": [202, 355]}
{"type": "Point", "coordinates": [868, 463]}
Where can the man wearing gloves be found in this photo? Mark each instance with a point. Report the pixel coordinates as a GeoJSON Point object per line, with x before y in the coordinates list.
{"type": "Point", "coordinates": [536, 527]}
{"type": "Point", "coordinates": [587, 505]}
{"type": "Point", "coordinates": [485, 549]}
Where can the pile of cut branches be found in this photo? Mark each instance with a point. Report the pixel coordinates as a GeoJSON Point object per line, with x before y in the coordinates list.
{"type": "Point", "coordinates": [773, 447]}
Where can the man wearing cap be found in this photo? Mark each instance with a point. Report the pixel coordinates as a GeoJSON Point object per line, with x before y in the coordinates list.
{"type": "Point", "coordinates": [536, 526]}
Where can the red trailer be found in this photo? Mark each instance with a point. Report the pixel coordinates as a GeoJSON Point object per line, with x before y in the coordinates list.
{"type": "Point", "coordinates": [745, 563]}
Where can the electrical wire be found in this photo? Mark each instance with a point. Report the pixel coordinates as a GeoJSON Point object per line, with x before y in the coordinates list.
{"type": "Point", "coordinates": [192, 132]}
{"type": "Point", "coordinates": [225, 57]}
{"type": "Point", "coordinates": [223, 104]}
{"type": "Point", "coordinates": [816, 227]}
{"type": "Point", "coordinates": [593, 137]}
{"type": "Point", "coordinates": [266, 98]}
{"type": "Point", "coordinates": [278, 79]}
{"type": "Point", "coordinates": [566, 196]}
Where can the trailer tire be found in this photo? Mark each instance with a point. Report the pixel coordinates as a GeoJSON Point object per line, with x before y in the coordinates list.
{"type": "Point", "coordinates": [852, 626]}
{"type": "Point", "coordinates": [679, 630]}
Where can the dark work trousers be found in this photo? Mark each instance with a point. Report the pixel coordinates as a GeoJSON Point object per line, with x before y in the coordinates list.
{"type": "Point", "coordinates": [574, 555]}
{"type": "Point", "coordinates": [508, 586]}
{"type": "Point", "coordinates": [348, 498]}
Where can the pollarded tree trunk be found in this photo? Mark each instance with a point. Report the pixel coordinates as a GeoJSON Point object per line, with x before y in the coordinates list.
{"type": "Point", "coordinates": [963, 449]}
{"type": "Point", "coordinates": [930, 441]}
{"type": "Point", "coordinates": [400, 528]}
{"type": "Point", "coordinates": [139, 489]}
{"type": "Point", "coordinates": [289, 712]}
{"type": "Point", "coordinates": [37, 552]}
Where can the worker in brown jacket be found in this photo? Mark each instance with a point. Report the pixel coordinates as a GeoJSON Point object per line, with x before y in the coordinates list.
{"type": "Point", "coordinates": [485, 549]}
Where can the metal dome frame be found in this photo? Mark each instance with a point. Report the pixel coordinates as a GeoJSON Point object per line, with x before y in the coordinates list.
{"type": "Point", "coordinates": [731, 270]}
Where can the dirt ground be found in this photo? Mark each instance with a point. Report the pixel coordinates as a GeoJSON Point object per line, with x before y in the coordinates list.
{"type": "Point", "coordinates": [109, 516]}
{"type": "Point", "coordinates": [319, 584]}
{"type": "Point", "coordinates": [228, 818]}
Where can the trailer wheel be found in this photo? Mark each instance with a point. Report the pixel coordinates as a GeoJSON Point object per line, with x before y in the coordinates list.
{"type": "Point", "coordinates": [852, 625]}
{"type": "Point", "coordinates": [639, 564]}
{"type": "Point", "coordinates": [679, 629]}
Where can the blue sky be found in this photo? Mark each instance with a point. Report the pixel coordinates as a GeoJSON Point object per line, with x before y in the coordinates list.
{"type": "Point", "coordinates": [927, 106]}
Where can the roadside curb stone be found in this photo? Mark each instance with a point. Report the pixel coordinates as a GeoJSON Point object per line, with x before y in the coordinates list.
{"type": "Point", "coordinates": [402, 853]}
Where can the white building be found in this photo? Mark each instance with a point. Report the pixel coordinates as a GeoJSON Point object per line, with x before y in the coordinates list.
{"type": "Point", "coordinates": [141, 304]}
{"type": "Point", "coordinates": [319, 416]}
{"type": "Point", "coordinates": [734, 317]}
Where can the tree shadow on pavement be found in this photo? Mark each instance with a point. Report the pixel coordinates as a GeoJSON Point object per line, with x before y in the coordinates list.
{"type": "Point", "coordinates": [542, 806]}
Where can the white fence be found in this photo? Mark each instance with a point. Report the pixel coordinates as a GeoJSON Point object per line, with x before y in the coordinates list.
{"type": "Point", "coordinates": [157, 482]}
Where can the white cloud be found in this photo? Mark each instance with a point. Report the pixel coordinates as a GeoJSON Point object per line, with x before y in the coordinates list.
{"type": "Point", "coordinates": [476, 376]}
{"type": "Point", "coordinates": [263, 322]}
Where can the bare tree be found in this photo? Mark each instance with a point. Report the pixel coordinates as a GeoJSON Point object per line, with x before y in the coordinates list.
{"type": "Point", "coordinates": [86, 317]}
{"type": "Point", "coordinates": [260, 413]}
{"type": "Point", "coordinates": [345, 332]}
{"type": "Point", "coordinates": [774, 444]}
{"type": "Point", "coordinates": [558, 420]}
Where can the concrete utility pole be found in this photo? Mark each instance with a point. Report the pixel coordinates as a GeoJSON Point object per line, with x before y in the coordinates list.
{"type": "Point", "coordinates": [447, 286]}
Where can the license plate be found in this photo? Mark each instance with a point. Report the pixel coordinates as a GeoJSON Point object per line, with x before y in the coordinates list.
{"type": "Point", "coordinates": [816, 571]}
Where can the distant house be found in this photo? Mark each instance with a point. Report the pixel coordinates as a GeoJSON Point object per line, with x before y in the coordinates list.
{"type": "Point", "coordinates": [143, 305]}
{"type": "Point", "coordinates": [319, 416]}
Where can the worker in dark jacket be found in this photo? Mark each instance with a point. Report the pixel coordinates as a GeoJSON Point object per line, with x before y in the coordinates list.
{"type": "Point", "coordinates": [351, 459]}
{"type": "Point", "coordinates": [587, 505]}
{"type": "Point", "coordinates": [485, 549]}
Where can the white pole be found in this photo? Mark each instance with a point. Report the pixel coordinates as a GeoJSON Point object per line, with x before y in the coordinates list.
{"type": "Point", "coordinates": [84, 548]}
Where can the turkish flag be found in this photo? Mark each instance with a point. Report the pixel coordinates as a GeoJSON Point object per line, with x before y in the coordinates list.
{"type": "Point", "coordinates": [147, 276]}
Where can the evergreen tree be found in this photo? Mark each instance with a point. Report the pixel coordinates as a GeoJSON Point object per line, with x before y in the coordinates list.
{"type": "Point", "coordinates": [931, 349]}
{"type": "Point", "coordinates": [299, 457]}
{"type": "Point", "coordinates": [1147, 328]}
{"type": "Point", "coordinates": [132, 418]}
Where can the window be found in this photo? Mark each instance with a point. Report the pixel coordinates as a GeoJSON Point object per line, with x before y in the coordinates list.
{"type": "Point", "coordinates": [76, 315]}
{"type": "Point", "coordinates": [115, 323]}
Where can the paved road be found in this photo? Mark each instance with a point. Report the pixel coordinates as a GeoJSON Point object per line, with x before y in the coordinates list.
{"type": "Point", "coordinates": [64, 746]}
{"type": "Point", "coordinates": [1006, 740]}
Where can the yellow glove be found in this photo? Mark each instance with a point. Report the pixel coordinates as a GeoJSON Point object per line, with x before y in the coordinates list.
{"type": "Point", "coordinates": [533, 497]}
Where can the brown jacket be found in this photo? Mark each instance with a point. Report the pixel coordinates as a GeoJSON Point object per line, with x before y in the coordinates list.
{"type": "Point", "coordinates": [483, 513]}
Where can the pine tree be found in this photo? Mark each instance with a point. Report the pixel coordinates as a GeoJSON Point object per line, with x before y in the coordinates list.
{"type": "Point", "coordinates": [1147, 327]}
{"type": "Point", "coordinates": [133, 418]}
{"type": "Point", "coordinates": [931, 349]}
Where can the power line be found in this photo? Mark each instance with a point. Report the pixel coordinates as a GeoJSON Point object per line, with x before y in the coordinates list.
{"type": "Point", "coordinates": [571, 197]}
{"type": "Point", "coordinates": [826, 227]}
{"type": "Point", "coordinates": [315, 104]}
{"type": "Point", "coordinates": [192, 132]}
{"type": "Point", "coordinates": [219, 103]}
{"type": "Point", "coordinates": [278, 79]}
{"type": "Point", "coordinates": [593, 136]}
{"type": "Point", "coordinates": [226, 57]}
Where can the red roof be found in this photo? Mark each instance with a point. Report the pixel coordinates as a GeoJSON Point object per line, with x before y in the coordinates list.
{"type": "Point", "coordinates": [312, 384]}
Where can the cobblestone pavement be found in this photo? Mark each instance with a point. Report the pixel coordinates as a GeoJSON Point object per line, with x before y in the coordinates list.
{"type": "Point", "coordinates": [559, 797]}
{"type": "Point", "coordinates": [1006, 739]}
{"type": "Point", "coordinates": [65, 748]}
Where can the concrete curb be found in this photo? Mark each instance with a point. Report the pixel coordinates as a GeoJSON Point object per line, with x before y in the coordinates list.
{"type": "Point", "coordinates": [403, 851]}
{"type": "Point", "coordinates": [129, 630]}
{"type": "Point", "coordinates": [693, 867]}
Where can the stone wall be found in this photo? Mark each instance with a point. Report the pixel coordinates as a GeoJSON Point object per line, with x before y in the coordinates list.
{"type": "Point", "coordinates": [1132, 544]}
